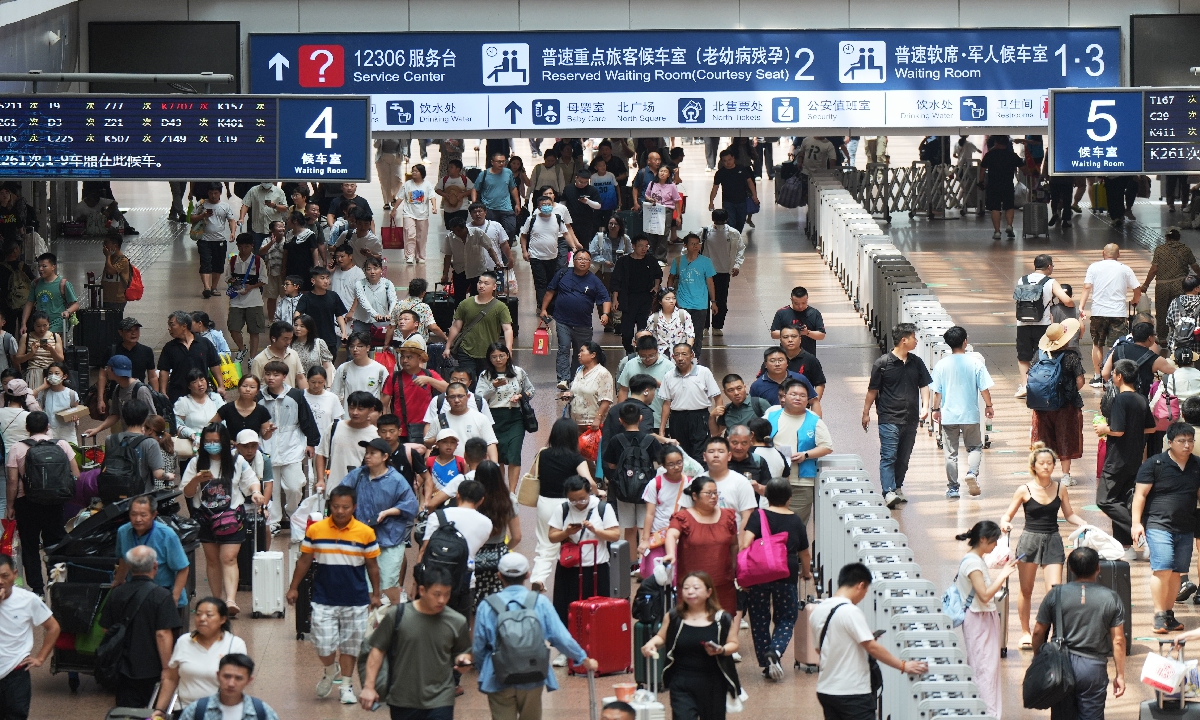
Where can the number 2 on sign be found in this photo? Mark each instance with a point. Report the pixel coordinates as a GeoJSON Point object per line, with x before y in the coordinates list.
{"type": "Point", "coordinates": [324, 121]}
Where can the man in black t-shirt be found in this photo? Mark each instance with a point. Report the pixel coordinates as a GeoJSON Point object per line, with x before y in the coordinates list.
{"type": "Point", "coordinates": [140, 356]}
{"type": "Point", "coordinates": [736, 184]}
{"type": "Point", "coordinates": [349, 196]}
{"type": "Point", "coordinates": [1129, 421]}
{"type": "Point", "coordinates": [635, 282]}
{"type": "Point", "coordinates": [801, 316]}
{"type": "Point", "coordinates": [184, 352]}
{"type": "Point", "coordinates": [583, 201]}
{"type": "Point", "coordinates": [899, 389]}
{"type": "Point", "coordinates": [997, 173]}
{"type": "Point", "coordinates": [800, 360]}
{"type": "Point", "coordinates": [325, 308]}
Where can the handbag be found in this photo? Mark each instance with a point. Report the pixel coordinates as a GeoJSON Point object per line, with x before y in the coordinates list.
{"type": "Point", "coordinates": [765, 559]}
{"type": "Point", "coordinates": [530, 487]}
{"type": "Point", "coordinates": [379, 334]}
{"type": "Point", "coordinates": [1164, 674]}
{"type": "Point", "coordinates": [488, 557]}
{"type": "Point", "coordinates": [570, 553]}
{"type": "Point", "coordinates": [1164, 404]}
{"type": "Point", "coordinates": [752, 206]}
{"type": "Point", "coordinates": [656, 220]}
{"type": "Point", "coordinates": [1049, 679]}
{"type": "Point", "coordinates": [528, 416]}
{"type": "Point", "coordinates": [392, 235]}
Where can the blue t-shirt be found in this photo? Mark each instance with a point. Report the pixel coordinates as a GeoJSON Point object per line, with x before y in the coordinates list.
{"type": "Point", "coordinates": [443, 474]}
{"type": "Point", "coordinates": [767, 389]}
{"type": "Point", "coordinates": [959, 379]}
{"type": "Point", "coordinates": [693, 286]}
{"type": "Point", "coordinates": [494, 190]}
{"type": "Point", "coordinates": [607, 187]}
{"type": "Point", "coordinates": [575, 297]}
{"type": "Point", "coordinates": [171, 557]}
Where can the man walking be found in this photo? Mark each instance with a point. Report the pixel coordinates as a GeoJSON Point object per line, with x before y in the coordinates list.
{"type": "Point", "coordinates": [512, 695]}
{"type": "Point", "coordinates": [465, 255]}
{"type": "Point", "coordinates": [1030, 332]}
{"type": "Point", "coordinates": [688, 391]}
{"type": "Point", "coordinates": [1106, 283]}
{"type": "Point", "coordinates": [997, 173]}
{"type": "Point", "coordinates": [479, 321]}
{"type": "Point", "coordinates": [802, 316]}
{"type": "Point", "coordinates": [899, 389]}
{"type": "Point", "coordinates": [724, 246]}
{"type": "Point", "coordinates": [497, 190]}
{"type": "Point", "coordinates": [1093, 623]}
{"type": "Point", "coordinates": [234, 672]}
{"type": "Point", "coordinates": [957, 383]}
{"type": "Point", "coordinates": [736, 184]}
{"type": "Point", "coordinates": [635, 281]}
{"type": "Point", "coordinates": [22, 611]}
{"type": "Point", "coordinates": [1129, 421]}
{"type": "Point", "coordinates": [144, 528]}
{"type": "Point", "coordinates": [803, 437]}
{"type": "Point", "coordinates": [577, 291]}
{"type": "Point", "coordinates": [695, 289]}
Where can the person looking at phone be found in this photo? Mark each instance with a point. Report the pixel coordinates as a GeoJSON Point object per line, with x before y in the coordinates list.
{"type": "Point", "coordinates": [799, 314]}
{"type": "Point", "coordinates": [215, 220]}
{"type": "Point", "coordinates": [1040, 544]}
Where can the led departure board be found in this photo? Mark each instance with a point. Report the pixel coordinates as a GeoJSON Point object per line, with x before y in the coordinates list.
{"type": "Point", "coordinates": [184, 137]}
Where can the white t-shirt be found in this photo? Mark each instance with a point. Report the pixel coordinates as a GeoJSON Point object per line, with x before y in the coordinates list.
{"type": "Point", "coordinates": [343, 452]}
{"type": "Point", "coordinates": [415, 199]}
{"type": "Point", "coordinates": [198, 667]}
{"type": "Point", "coordinates": [369, 242]}
{"type": "Point", "coordinates": [544, 232]}
{"type": "Point", "coordinates": [734, 491]}
{"type": "Point", "coordinates": [495, 231]}
{"type": "Point", "coordinates": [970, 564]}
{"type": "Point", "coordinates": [325, 409]}
{"type": "Point", "coordinates": [216, 226]}
{"type": "Point", "coordinates": [233, 712]}
{"type": "Point", "coordinates": [604, 521]}
{"type": "Point", "coordinates": [344, 281]}
{"type": "Point", "coordinates": [90, 211]}
{"type": "Point", "coordinates": [664, 499]}
{"type": "Point", "coordinates": [19, 613]}
{"type": "Point", "coordinates": [1184, 383]}
{"type": "Point", "coordinates": [844, 668]}
{"type": "Point", "coordinates": [775, 461]}
{"type": "Point", "coordinates": [258, 270]}
{"type": "Point", "coordinates": [461, 181]}
{"type": "Point", "coordinates": [12, 427]}
{"type": "Point", "coordinates": [451, 487]}
{"type": "Point", "coordinates": [432, 410]}
{"type": "Point", "coordinates": [466, 426]}
{"type": "Point", "coordinates": [1047, 296]}
{"type": "Point", "coordinates": [351, 377]}
{"type": "Point", "coordinates": [474, 526]}
{"type": "Point", "coordinates": [1110, 280]}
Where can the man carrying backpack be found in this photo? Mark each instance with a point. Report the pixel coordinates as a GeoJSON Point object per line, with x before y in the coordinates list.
{"type": "Point", "coordinates": [41, 479]}
{"type": "Point", "coordinates": [511, 631]}
{"type": "Point", "coordinates": [1034, 295]}
{"type": "Point", "coordinates": [629, 461]}
{"type": "Point", "coordinates": [1143, 352]}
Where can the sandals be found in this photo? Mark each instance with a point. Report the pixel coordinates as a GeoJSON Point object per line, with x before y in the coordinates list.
{"type": "Point", "coordinates": [1026, 642]}
{"type": "Point", "coordinates": [233, 609]}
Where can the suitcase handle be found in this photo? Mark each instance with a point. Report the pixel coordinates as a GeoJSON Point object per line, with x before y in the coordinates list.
{"type": "Point", "coordinates": [595, 574]}
{"type": "Point", "coordinates": [593, 711]}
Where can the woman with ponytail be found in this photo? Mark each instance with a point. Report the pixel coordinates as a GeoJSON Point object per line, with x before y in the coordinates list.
{"type": "Point", "coordinates": [981, 628]}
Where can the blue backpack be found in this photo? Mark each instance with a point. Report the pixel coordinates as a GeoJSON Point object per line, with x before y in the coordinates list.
{"type": "Point", "coordinates": [1043, 388]}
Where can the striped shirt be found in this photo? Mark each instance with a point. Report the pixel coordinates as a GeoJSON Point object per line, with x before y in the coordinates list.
{"type": "Point", "coordinates": [341, 556]}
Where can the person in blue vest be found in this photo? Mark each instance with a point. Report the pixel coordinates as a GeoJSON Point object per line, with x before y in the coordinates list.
{"type": "Point", "coordinates": [803, 436]}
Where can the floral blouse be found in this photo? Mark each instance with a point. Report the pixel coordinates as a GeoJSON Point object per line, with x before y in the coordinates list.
{"type": "Point", "coordinates": [423, 311]}
{"type": "Point", "coordinates": [588, 390]}
{"type": "Point", "coordinates": [501, 397]}
{"type": "Point", "coordinates": [318, 355]}
{"type": "Point", "coordinates": [670, 331]}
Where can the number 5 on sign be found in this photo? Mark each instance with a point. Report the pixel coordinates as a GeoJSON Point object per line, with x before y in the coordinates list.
{"type": "Point", "coordinates": [322, 128]}
{"type": "Point", "coordinates": [1093, 116]}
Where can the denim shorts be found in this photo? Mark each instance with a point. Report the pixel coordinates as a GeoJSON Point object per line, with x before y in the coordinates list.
{"type": "Point", "coordinates": [1169, 551]}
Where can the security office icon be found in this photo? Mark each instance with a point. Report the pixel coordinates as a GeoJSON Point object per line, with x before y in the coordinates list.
{"type": "Point", "coordinates": [862, 61]}
{"type": "Point", "coordinates": [783, 109]}
{"type": "Point", "coordinates": [691, 111]}
{"type": "Point", "coordinates": [400, 112]}
{"type": "Point", "coordinates": [505, 64]}
{"type": "Point", "coordinates": [972, 108]}
{"type": "Point", "coordinates": [545, 112]}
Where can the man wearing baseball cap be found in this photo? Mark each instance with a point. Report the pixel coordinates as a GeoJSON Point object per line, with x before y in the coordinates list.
{"type": "Point", "coordinates": [247, 445]}
{"type": "Point", "coordinates": [387, 503]}
{"type": "Point", "coordinates": [120, 369]}
{"type": "Point", "coordinates": [141, 358]}
{"type": "Point", "coordinates": [519, 700]}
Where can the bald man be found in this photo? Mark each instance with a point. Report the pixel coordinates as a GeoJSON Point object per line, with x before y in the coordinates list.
{"type": "Point", "coordinates": [1107, 283]}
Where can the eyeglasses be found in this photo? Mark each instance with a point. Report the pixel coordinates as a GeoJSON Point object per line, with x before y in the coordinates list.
{"type": "Point", "coordinates": [456, 397]}
{"type": "Point", "coordinates": [709, 493]}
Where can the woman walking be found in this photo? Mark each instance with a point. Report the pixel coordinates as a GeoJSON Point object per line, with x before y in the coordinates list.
{"type": "Point", "coordinates": [497, 506]}
{"type": "Point", "coordinates": [701, 538]}
{"type": "Point", "coordinates": [669, 323]}
{"type": "Point", "coordinates": [192, 670]}
{"type": "Point", "coordinates": [582, 518]}
{"type": "Point", "coordinates": [41, 347]}
{"type": "Point", "coordinates": [554, 464]}
{"type": "Point", "coordinates": [1170, 263]}
{"type": "Point", "coordinates": [1040, 544]}
{"type": "Point", "coordinates": [592, 390]}
{"type": "Point", "coordinates": [504, 386]}
{"type": "Point", "coordinates": [661, 192]}
{"type": "Point", "coordinates": [198, 408]}
{"type": "Point", "coordinates": [312, 350]}
{"type": "Point", "coordinates": [1061, 430]}
{"type": "Point", "coordinates": [417, 203]}
{"type": "Point", "coordinates": [981, 629]}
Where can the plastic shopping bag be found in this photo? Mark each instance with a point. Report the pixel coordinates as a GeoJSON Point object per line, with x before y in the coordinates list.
{"type": "Point", "coordinates": [1163, 673]}
{"type": "Point", "coordinates": [656, 220]}
{"type": "Point", "coordinates": [1001, 554]}
{"type": "Point", "coordinates": [1020, 195]}
{"type": "Point", "coordinates": [311, 508]}
{"type": "Point", "coordinates": [1093, 537]}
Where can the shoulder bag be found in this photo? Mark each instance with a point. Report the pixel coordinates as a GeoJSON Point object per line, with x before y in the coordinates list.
{"type": "Point", "coordinates": [1050, 679]}
{"type": "Point", "coordinates": [872, 664]}
{"type": "Point", "coordinates": [483, 311]}
{"type": "Point", "coordinates": [765, 559]}
{"type": "Point", "coordinates": [530, 487]}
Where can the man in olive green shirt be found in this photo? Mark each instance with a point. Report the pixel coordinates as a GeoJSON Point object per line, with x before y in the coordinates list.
{"type": "Point", "coordinates": [471, 335]}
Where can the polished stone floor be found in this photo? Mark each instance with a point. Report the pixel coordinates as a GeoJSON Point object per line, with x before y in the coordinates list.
{"type": "Point", "coordinates": [973, 276]}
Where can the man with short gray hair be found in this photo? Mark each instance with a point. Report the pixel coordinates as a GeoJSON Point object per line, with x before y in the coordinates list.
{"type": "Point", "coordinates": [151, 622]}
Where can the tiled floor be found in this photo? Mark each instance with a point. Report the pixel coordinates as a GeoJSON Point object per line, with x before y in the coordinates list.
{"type": "Point", "coordinates": [974, 277]}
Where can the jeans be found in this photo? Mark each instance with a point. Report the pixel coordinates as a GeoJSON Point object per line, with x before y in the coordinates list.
{"type": "Point", "coordinates": [1091, 690]}
{"type": "Point", "coordinates": [781, 600]}
{"type": "Point", "coordinates": [635, 309]}
{"type": "Point", "coordinates": [737, 213]}
{"type": "Point", "coordinates": [38, 526]}
{"type": "Point", "coordinates": [895, 448]}
{"type": "Point", "coordinates": [1168, 550]}
{"type": "Point", "coordinates": [973, 439]}
{"type": "Point", "coordinates": [543, 272]}
{"type": "Point", "coordinates": [721, 287]}
{"type": "Point", "coordinates": [16, 691]}
{"type": "Point", "coordinates": [507, 220]}
{"type": "Point", "coordinates": [570, 339]}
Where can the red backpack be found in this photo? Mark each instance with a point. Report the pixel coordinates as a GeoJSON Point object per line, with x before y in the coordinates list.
{"type": "Point", "coordinates": [135, 289]}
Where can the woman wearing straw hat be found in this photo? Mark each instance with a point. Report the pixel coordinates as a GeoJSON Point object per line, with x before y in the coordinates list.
{"type": "Point", "coordinates": [1061, 429]}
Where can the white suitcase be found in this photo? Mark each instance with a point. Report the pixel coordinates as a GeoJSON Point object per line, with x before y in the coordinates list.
{"type": "Point", "coordinates": [269, 585]}
{"type": "Point", "coordinates": [647, 706]}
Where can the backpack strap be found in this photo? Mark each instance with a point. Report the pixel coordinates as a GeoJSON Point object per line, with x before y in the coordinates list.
{"type": "Point", "coordinates": [442, 521]}
{"type": "Point", "coordinates": [825, 627]}
{"type": "Point", "coordinates": [259, 709]}
{"type": "Point", "coordinates": [645, 442]}
{"type": "Point", "coordinates": [202, 708]}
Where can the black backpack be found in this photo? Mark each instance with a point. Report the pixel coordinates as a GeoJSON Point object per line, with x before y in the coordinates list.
{"type": "Point", "coordinates": [163, 407]}
{"type": "Point", "coordinates": [650, 602]}
{"type": "Point", "coordinates": [634, 468]}
{"type": "Point", "coordinates": [48, 478]}
{"type": "Point", "coordinates": [121, 476]}
{"type": "Point", "coordinates": [447, 548]}
{"type": "Point", "coordinates": [110, 654]}
{"type": "Point", "coordinates": [1031, 303]}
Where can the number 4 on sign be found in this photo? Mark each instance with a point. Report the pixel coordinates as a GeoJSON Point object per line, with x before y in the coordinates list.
{"type": "Point", "coordinates": [325, 132]}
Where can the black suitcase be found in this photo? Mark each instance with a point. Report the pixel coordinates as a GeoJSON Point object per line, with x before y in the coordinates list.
{"type": "Point", "coordinates": [97, 331]}
{"type": "Point", "coordinates": [512, 301]}
{"type": "Point", "coordinates": [435, 358]}
{"type": "Point", "coordinates": [303, 610]}
{"type": "Point", "coordinates": [255, 525]}
{"type": "Point", "coordinates": [442, 304]}
{"type": "Point", "coordinates": [77, 358]}
{"type": "Point", "coordinates": [1114, 574]}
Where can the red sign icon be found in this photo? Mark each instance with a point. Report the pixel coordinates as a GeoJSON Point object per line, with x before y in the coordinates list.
{"type": "Point", "coordinates": [322, 66]}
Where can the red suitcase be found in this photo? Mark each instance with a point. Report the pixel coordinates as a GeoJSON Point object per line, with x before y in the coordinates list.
{"type": "Point", "coordinates": [603, 627]}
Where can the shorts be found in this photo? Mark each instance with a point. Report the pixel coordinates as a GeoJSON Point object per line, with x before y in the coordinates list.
{"type": "Point", "coordinates": [272, 286]}
{"type": "Point", "coordinates": [252, 318]}
{"type": "Point", "coordinates": [1042, 549]}
{"type": "Point", "coordinates": [206, 536]}
{"type": "Point", "coordinates": [1028, 337]}
{"type": "Point", "coordinates": [1106, 330]}
{"type": "Point", "coordinates": [1000, 199]}
{"type": "Point", "coordinates": [390, 560]}
{"type": "Point", "coordinates": [212, 256]}
{"type": "Point", "coordinates": [338, 628]}
{"type": "Point", "coordinates": [631, 515]}
{"type": "Point", "coordinates": [1168, 550]}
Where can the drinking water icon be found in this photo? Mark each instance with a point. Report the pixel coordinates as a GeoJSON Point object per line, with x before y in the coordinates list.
{"type": "Point", "coordinates": [506, 64]}
{"type": "Point", "coordinates": [691, 110]}
{"type": "Point", "coordinates": [400, 112]}
{"type": "Point", "coordinates": [862, 62]}
{"type": "Point", "coordinates": [972, 108]}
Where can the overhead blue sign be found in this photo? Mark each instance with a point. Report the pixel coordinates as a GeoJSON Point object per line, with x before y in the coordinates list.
{"type": "Point", "coordinates": [1125, 131]}
{"type": "Point", "coordinates": [770, 79]}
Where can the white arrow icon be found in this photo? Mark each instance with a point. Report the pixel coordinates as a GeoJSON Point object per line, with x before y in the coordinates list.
{"type": "Point", "coordinates": [279, 62]}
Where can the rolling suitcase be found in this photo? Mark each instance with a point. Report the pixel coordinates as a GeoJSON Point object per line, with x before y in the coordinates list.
{"type": "Point", "coordinates": [303, 607]}
{"type": "Point", "coordinates": [619, 562]}
{"type": "Point", "coordinates": [268, 585]}
{"type": "Point", "coordinates": [512, 301]}
{"type": "Point", "coordinates": [256, 537]}
{"type": "Point", "coordinates": [603, 627]}
{"type": "Point", "coordinates": [642, 632]}
{"type": "Point", "coordinates": [97, 332]}
{"type": "Point", "coordinates": [649, 707]}
{"type": "Point", "coordinates": [442, 304]}
{"type": "Point", "coordinates": [804, 648]}
{"type": "Point", "coordinates": [1035, 219]}
{"type": "Point", "coordinates": [1114, 574]}
{"type": "Point", "coordinates": [77, 358]}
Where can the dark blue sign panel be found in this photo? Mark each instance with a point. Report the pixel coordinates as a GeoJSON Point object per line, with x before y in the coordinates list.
{"type": "Point", "coordinates": [1125, 131]}
{"type": "Point", "coordinates": [877, 78]}
{"type": "Point", "coordinates": [180, 137]}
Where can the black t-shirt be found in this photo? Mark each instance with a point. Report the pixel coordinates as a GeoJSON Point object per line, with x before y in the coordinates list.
{"type": "Point", "coordinates": [635, 276]}
{"type": "Point", "coordinates": [789, 523]}
{"type": "Point", "coordinates": [1144, 355]}
{"type": "Point", "coordinates": [554, 467]}
{"type": "Point", "coordinates": [733, 183]}
{"type": "Point", "coordinates": [753, 467]}
{"type": "Point", "coordinates": [12, 219]}
{"type": "Point", "coordinates": [158, 612]}
{"type": "Point", "coordinates": [337, 208]}
{"type": "Point", "coordinates": [612, 421]}
{"type": "Point", "coordinates": [323, 309]}
{"type": "Point", "coordinates": [405, 461]}
{"type": "Point", "coordinates": [141, 357]}
{"type": "Point", "coordinates": [1000, 164]}
{"type": "Point", "coordinates": [299, 257]}
{"type": "Point", "coordinates": [1129, 414]}
{"type": "Point", "coordinates": [807, 364]}
{"type": "Point", "coordinates": [177, 359]}
{"type": "Point", "coordinates": [810, 318]}
{"type": "Point", "coordinates": [613, 449]}
{"type": "Point", "coordinates": [899, 384]}
{"type": "Point", "coordinates": [1171, 504]}
{"type": "Point", "coordinates": [584, 219]}
{"type": "Point", "coordinates": [235, 422]}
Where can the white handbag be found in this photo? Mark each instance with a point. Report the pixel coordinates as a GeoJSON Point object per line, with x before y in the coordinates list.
{"type": "Point", "coordinates": [655, 220]}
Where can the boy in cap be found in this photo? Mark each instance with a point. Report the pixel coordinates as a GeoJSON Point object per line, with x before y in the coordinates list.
{"type": "Point", "coordinates": [120, 369]}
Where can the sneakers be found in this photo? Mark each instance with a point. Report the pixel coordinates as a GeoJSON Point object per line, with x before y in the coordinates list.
{"type": "Point", "coordinates": [1053, 220]}
{"type": "Point", "coordinates": [952, 494]}
{"type": "Point", "coordinates": [1172, 624]}
{"type": "Point", "coordinates": [563, 385]}
{"type": "Point", "coordinates": [1076, 209]}
{"type": "Point", "coordinates": [1186, 591]}
{"type": "Point", "coordinates": [774, 669]}
{"type": "Point", "coordinates": [1160, 623]}
{"type": "Point", "coordinates": [1068, 481]}
{"type": "Point", "coordinates": [891, 499]}
{"type": "Point", "coordinates": [1020, 393]}
{"type": "Point", "coordinates": [635, 569]}
{"type": "Point", "coordinates": [560, 660]}
{"type": "Point", "coordinates": [900, 495]}
{"type": "Point", "coordinates": [972, 485]}
{"type": "Point", "coordinates": [717, 332]}
{"type": "Point", "coordinates": [1066, 223]}
{"type": "Point", "coordinates": [1008, 231]}
{"type": "Point", "coordinates": [347, 696]}
{"type": "Point", "coordinates": [996, 235]}
{"type": "Point", "coordinates": [325, 684]}
{"type": "Point", "coordinates": [745, 624]}
{"type": "Point", "coordinates": [1096, 381]}
{"type": "Point", "coordinates": [410, 260]}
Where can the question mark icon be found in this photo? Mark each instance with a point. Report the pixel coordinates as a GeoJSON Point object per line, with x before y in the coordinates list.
{"type": "Point", "coordinates": [328, 61]}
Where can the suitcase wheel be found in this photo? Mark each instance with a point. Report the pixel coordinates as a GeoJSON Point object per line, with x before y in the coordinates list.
{"type": "Point", "coordinates": [73, 681]}
{"type": "Point", "coordinates": [256, 614]}
{"type": "Point", "coordinates": [1003, 652]}
{"type": "Point", "coordinates": [279, 615]}
{"type": "Point", "coordinates": [299, 636]}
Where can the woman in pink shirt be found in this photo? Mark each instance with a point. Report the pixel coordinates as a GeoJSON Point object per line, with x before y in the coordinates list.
{"type": "Point", "coordinates": [663, 191]}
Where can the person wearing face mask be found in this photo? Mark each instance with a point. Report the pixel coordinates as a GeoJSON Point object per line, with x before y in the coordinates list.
{"type": "Point", "coordinates": [54, 396]}
{"type": "Point", "coordinates": [539, 245]}
{"type": "Point", "coordinates": [264, 203]}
